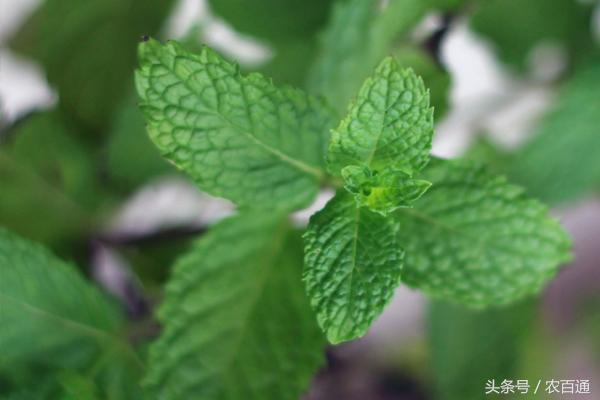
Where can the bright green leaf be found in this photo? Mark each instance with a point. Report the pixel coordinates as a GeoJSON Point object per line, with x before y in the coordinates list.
{"type": "Point", "coordinates": [236, 320]}
{"type": "Point", "coordinates": [390, 124]}
{"type": "Point", "coordinates": [46, 307]}
{"type": "Point", "coordinates": [385, 139]}
{"type": "Point", "coordinates": [383, 192]}
{"type": "Point", "coordinates": [352, 266]}
{"type": "Point", "coordinates": [239, 137]}
{"type": "Point", "coordinates": [478, 240]}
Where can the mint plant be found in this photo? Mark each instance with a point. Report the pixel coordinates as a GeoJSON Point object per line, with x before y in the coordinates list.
{"type": "Point", "coordinates": [105, 296]}
{"type": "Point", "coordinates": [245, 323]}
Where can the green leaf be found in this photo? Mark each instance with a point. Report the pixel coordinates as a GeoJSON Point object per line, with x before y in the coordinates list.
{"type": "Point", "coordinates": [359, 34]}
{"type": "Point", "coordinates": [389, 124]}
{"type": "Point", "coordinates": [47, 176]}
{"type": "Point", "coordinates": [469, 347]}
{"type": "Point", "coordinates": [561, 162]}
{"type": "Point", "coordinates": [239, 137]}
{"type": "Point", "coordinates": [236, 321]}
{"type": "Point", "coordinates": [352, 266]}
{"type": "Point", "coordinates": [478, 240]}
{"type": "Point", "coordinates": [46, 307]}
{"type": "Point", "coordinates": [87, 50]}
{"type": "Point", "coordinates": [385, 139]}
{"type": "Point", "coordinates": [516, 27]}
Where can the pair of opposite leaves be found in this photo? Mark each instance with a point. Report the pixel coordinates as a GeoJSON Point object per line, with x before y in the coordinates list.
{"type": "Point", "coordinates": [473, 238]}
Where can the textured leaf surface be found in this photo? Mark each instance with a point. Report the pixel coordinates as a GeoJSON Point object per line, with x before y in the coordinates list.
{"type": "Point", "coordinates": [87, 50]}
{"type": "Point", "coordinates": [352, 266]}
{"type": "Point", "coordinates": [562, 161]}
{"type": "Point", "coordinates": [239, 137]}
{"type": "Point", "coordinates": [357, 37]}
{"type": "Point", "coordinates": [387, 133]}
{"type": "Point", "coordinates": [478, 240]}
{"type": "Point", "coordinates": [383, 192]}
{"type": "Point", "coordinates": [46, 307]}
{"type": "Point", "coordinates": [237, 323]}
{"type": "Point", "coordinates": [389, 124]}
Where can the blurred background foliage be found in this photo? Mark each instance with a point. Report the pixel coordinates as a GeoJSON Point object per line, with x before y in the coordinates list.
{"type": "Point", "coordinates": [72, 173]}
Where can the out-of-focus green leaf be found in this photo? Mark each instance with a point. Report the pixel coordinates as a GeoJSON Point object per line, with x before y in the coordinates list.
{"type": "Point", "coordinates": [484, 151]}
{"type": "Point", "coordinates": [132, 158]}
{"type": "Point", "coordinates": [291, 62]}
{"type": "Point", "coordinates": [562, 161]}
{"type": "Point", "coordinates": [87, 49]}
{"type": "Point", "coordinates": [357, 37]}
{"type": "Point", "coordinates": [274, 20]}
{"type": "Point", "coordinates": [515, 27]}
{"type": "Point", "coordinates": [53, 320]}
{"type": "Point", "coordinates": [28, 385]}
{"type": "Point", "coordinates": [467, 348]}
{"type": "Point", "coordinates": [46, 307]}
{"type": "Point", "coordinates": [289, 26]}
{"type": "Point", "coordinates": [120, 381]}
{"type": "Point", "coordinates": [436, 79]}
{"type": "Point", "coordinates": [236, 320]}
{"type": "Point", "coordinates": [46, 180]}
